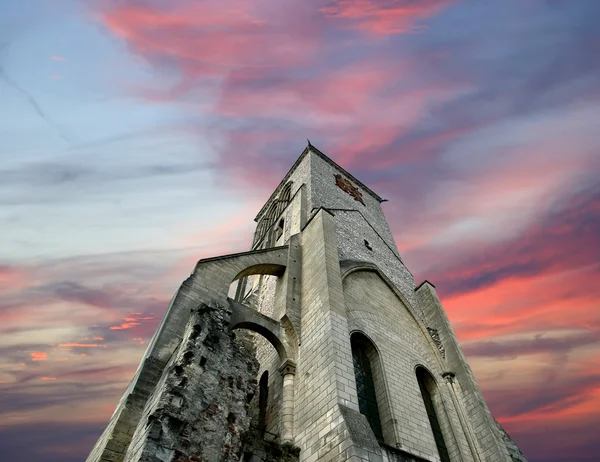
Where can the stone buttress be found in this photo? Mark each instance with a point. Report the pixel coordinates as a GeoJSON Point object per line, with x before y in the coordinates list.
{"type": "Point", "coordinates": [327, 352]}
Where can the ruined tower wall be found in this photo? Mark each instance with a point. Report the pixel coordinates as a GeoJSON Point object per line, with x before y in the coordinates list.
{"type": "Point", "coordinates": [199, 406]}
{"type": "Point", "coordinates": [334, 271]}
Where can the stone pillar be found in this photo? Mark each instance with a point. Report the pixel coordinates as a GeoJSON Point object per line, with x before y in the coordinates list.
{"type": "Point", "coordinates": [288, 371]}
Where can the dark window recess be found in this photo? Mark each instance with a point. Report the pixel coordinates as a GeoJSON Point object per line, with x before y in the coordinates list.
{"type": "Point", "coordinates": [433, 420]}
{"type": "Point", "coordinates": [263, 400]}
{"type": "Point", "coordinates": [367, 245]}
{"type": "Point", "coordinates": [279, 231]}
{"type": "Point", "coordinates": [365, 388]}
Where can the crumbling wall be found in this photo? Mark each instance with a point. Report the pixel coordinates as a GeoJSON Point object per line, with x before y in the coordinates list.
{"type": "Point", "coordinates": [258, 449]}
{"type": "Point", "coordinates": [199, 409]}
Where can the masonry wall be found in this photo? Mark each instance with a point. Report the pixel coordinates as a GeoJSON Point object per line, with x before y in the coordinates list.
{"type": "Point", "coordinates": [294, 216]}
{"type": "Point", "coordinates": [338, 273]}
{"type": "Point", "coordinates": [198, 410]}
{"type": "Point", "coordinates": [478, 420]}
{"type": "Point", "coordinates": [326, 194]}
{"type": "Point", "coordinates": [375, 310]}
{"type": "Point", "coordinates": [355, 223]}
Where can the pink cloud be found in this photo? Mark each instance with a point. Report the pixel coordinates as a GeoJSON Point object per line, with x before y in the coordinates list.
{"type": "Point", "coordinates": [39, 356]}
{"type": "Point", "coordinates": [384, 17]}
{"type": "Point", "coordinates": [81, 345]}
{"type": "Point", "coordinates": [58, 58]}
{"type": "Point", "coordinates": [13, 278]}
{"type": "Point", "coordinates": [209, 39]}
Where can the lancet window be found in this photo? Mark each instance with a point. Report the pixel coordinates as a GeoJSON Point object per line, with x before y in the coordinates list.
{"type": "Point", "coordinates": [427, 386]}
{"type": "Point", "coordinates": [365, 383]}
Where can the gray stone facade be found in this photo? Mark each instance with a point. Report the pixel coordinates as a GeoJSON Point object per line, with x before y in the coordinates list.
{"type": "Point", "coordinates": [323, 272]}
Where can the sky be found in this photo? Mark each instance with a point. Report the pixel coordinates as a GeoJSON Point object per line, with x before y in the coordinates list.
{"type": "Point", "coordinates": [138, 136]}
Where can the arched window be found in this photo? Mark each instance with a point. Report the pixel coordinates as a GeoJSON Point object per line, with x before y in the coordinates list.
{"type": "Point", "coordinates": [260, 230]}
{"type": "Point", "coordinates": [263, 400]}
{"type": "Point", "coordinates": [286, 194]}
{"type": "Point", "coordinates": [428, 388]}
{"type": "Point", "coordinates": [272, 214]}
{"type": "Point", "coordinates": [363, 357]}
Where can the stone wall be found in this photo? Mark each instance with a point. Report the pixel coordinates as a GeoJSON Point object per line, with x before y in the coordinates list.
{"type": "Point", "coordinates": [376, 311]}
{"type": "Point", "coordinates": [199, 409]}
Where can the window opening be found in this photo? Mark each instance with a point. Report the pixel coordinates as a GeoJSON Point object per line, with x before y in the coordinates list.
{"type": "Point", "coordinates": [279, 231]}
{"type": "Point", "coordinates": [263, 400]}
{"type": "Point", "coordinates": [365, 386]}
{"type": "Point", "coordinates": [431, 414]}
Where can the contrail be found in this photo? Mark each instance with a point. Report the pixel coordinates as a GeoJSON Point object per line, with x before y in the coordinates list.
{"type": "Point", "coordinates": [31, 100]}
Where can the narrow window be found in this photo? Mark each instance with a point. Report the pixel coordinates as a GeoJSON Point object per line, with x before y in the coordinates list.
{"type": "Point", "coordinates": [365, 386]}
{"type": "Point", "coordinates": [427, 386]}
{"type": "Point", "coordinates": [263, 399]}
{"type": "Point", "coordinates": [279, 231]}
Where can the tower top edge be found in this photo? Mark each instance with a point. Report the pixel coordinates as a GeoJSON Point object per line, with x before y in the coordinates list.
{"type": "Point", "coordinates": [308, 149]}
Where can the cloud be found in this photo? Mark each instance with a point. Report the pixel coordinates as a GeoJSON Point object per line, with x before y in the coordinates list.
{"type": "Point", "coordinates": [537, 344]}
{"type": "Point", "coordinates": [384, 17]}
{"type": "Point", "coordinates": [12, 277]}
{"type": "Point", "coordinates": [563, 239]}
{"type": "Point", "coordinates": [44, 441]}
{"type": "Point", "coordinates": [39, 356]}
{"type": "Point", "coordinates": [198, 39]}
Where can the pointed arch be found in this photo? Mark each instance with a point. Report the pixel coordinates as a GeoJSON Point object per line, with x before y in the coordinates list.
{"type": "Point", "coordinates": [349, 267]}
{"type": "Point", "coordinates": [373, 401]}
{"type": "Point", "coordinates": [286, 195]}
{"type": "Point", "coordinates": [429, 392]}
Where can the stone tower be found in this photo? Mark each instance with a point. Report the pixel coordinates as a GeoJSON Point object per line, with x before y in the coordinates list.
{"type": "Point", "coordinates": [328, 346]}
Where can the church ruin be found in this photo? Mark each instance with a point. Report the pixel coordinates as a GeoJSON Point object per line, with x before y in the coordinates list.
{"type": "Point", "coordinates": [328, 351]}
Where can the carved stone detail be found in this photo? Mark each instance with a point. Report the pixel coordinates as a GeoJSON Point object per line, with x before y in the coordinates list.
{"type": "Point", "coordinates": [435, 336]}
{"type": "Point", "coordinates": [348, 187]}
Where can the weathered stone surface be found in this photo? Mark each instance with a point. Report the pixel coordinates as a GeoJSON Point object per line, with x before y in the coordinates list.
{"type": "Point", "coordinates": [199, 411]}
{"type": "Point", "coordinates": [258, 449]}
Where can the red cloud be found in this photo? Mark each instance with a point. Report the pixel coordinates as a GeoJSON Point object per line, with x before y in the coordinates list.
{"type": "Point", "coordinates": [131, 322]}
{"type": "Point", "coordinates": [527, 303]}
{"type": "Point", "coordinates": [129, 325]}
{"type": "Point", "coordinates": [39, 356]}
{"type": "Point", "coordinates": [384, 17]}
